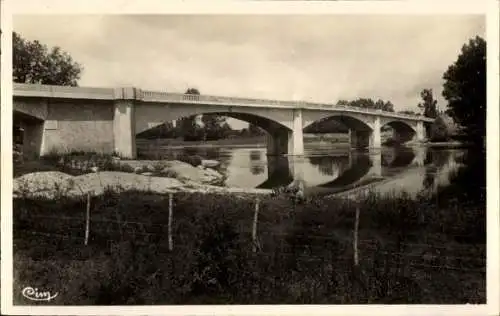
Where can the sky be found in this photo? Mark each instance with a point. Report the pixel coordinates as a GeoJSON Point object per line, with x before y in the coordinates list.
{"type": "Point", "coordinates": [320, 58]}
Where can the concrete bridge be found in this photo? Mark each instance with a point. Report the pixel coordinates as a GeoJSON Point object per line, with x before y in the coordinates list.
{"type": "Point", "coordinates": [59, 118]}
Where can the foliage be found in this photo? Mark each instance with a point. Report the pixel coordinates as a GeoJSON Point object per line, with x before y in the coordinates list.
{"type": "Point", "coordinates": [465, 89]}
{"type": "Point", "coordinates": [192, 91]}
{"type": "Point", "coordinates": [439, 131]}
{"type": "Point", "coordinates": [369, 104]}
{"type": "Point", "coordinates": [327, 125]}
{"type": "Point", "coordinates": [212, 127]}
{"type": "Point", "coordinates": [33, 62]}
{"type": "Point", "coordinates": [429, 105]}
{"type": "Point", "coordinates": [408, 112]}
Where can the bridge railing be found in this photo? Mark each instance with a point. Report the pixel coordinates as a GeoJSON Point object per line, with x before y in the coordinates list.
{"type": "Point", "coordinates": [49, 91]}
{"type": "Point", "coordinates": [36, 90]}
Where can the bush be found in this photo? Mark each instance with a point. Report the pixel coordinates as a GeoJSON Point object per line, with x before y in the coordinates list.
{"type": "Point", "coordinates": [194, 160]}
{"type": "Point", "coordinates": [439, 131]}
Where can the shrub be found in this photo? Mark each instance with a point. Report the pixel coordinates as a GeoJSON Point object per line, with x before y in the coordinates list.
{"type": "Point", "coordinates": [194, 160]}
{"type": "Point", "coordinates": [439, 131]}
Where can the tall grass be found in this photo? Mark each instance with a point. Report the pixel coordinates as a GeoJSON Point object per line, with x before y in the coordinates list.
{"type": "Point", "coordinates": [409, 250]}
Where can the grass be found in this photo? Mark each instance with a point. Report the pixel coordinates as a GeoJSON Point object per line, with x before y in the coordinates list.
{"type": "Point", "coordinates": [412, 250]}
{"type": "Point", "coordinates": [80, 162]}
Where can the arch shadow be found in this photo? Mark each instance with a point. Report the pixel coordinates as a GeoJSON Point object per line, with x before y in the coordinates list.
{"type": "Point", "coordinates": [403, 156]}
{"type": "Point", "coordinates": [361, 165]}
{"type": "Point", "coordinates": [279, 173]}
{"type": "Point", "coordinates": [403, 132]}
{"type": "Point", "coordinates": [344, 120]}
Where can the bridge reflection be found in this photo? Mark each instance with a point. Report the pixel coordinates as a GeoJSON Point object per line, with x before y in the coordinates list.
{"type": "Point", "coordinates": [343, 170]}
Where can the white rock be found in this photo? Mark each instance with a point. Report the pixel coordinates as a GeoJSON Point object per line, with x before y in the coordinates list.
{"type": "Point", "coordinates": [210, 163]}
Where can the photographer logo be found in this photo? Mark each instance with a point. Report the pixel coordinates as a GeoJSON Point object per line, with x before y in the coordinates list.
{"type": "Point", "coordinates": [34, 295]}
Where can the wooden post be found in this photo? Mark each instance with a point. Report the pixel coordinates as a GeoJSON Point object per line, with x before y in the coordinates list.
{"type": "Point", "coordinates": [355, 241]}
{"type": "Point", "coordinates": [170, 210]}
{"type": "Point", "coordinates": [254, 228]}
{"type": "Point", "coordinates": [87, 220]}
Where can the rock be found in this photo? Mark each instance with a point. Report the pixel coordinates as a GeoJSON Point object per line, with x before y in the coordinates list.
{"type": "Point", "coordinates": [187, 172]}
{"type": "Point", "coordinates": [53, 184]}
{"type": "Point", "coordinates": [147, 174]}
{"type": "Point", "coordinates": [94, 169]}
{"type": "Point", "coordinates": [137, 169]}
{"type": "Point", "coordinates": [212, 172]}
{"type": "Point", "coordinates": [210, 163]}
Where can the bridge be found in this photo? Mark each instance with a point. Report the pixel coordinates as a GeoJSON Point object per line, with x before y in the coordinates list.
{"type": "Point", "coordinates": [61, 118]}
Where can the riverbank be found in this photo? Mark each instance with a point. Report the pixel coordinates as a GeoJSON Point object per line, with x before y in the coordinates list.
{"type": "Point", "coordinates": [256, 141]}
{"type": "Point", "coordinates": [90, 173]}
{"type": "Point", "coordinates": [303, 252]}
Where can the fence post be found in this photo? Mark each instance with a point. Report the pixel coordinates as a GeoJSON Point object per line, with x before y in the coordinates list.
{"type": "Point", "coordinates": [355, 240]}
{"type": "Point", "coordinates": [254, 228]}
{"type": "Point", "coordinates": [170, 210]}
{"type": "Point", "coordinates": [87, 220]}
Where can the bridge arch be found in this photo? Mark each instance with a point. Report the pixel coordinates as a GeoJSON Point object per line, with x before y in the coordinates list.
{"type": "Point", "coordinates": [402, 131]}
{"type": "Point", "coordinates": [361, 128]}
{"type": "Point", "coordinates": [277, 124]}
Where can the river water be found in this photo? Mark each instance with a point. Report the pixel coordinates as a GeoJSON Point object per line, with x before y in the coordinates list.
{"type": "Point", "coordinates": [328, 168]}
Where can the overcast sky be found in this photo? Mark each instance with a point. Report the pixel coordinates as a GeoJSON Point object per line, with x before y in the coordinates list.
{"type": "Point", "coordinates": [320, 58]}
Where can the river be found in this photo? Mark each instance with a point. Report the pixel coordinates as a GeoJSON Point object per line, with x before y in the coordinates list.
{"type": "Point", "coordinates": [327, 168]}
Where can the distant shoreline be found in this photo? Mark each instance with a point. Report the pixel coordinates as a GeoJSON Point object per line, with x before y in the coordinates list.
{"type": "Point", "coordinates": [260, 142]}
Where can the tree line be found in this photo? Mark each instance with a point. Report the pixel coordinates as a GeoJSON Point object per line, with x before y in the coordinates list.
{"type": "Point", "coordinates": [464, 89]}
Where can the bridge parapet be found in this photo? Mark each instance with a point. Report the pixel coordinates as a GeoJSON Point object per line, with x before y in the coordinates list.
{"type": "Point", "coordinates": [48, 91]}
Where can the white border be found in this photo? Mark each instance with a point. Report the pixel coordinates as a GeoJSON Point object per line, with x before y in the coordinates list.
{"type": "Point", "coordinates": [489, 7]}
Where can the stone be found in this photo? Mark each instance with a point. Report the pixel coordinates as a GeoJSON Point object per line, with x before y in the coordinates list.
{"type": "Point", "coordinates": [187, 172]}
{"type": "Point", "coordinates": [210, 163]}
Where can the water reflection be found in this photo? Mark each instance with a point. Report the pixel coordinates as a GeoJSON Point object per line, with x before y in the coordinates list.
{"type": "Point", "coordinates": [328, 170]}
{"type": "Point", "coordinates": [256, 167]}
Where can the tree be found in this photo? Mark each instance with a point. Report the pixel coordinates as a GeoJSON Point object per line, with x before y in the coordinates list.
{"type": "Point", "coordinates": [192, 91]}
{"type": "Point", "coordinates": [368, 104]}
{"type": "Point", "coordinates": [33, 62]}
{"type": "Point", "coordinates": [407, 112]}
{"type": "Point", "coordinates": [429, 105]}
{"type": "Point", "coordinates": [439, 131]}
{"type": "Point", "coordinates": [254, 130]}
{"type": "Point", "coordinates": [213, 126]}
{"type": "Point", "coordinates": [465, 89]}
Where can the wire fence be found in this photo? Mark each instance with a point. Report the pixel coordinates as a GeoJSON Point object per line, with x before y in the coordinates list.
{"type": "Point", "coordinates": [86, 229]}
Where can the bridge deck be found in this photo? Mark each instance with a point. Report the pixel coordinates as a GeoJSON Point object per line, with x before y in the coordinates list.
{"type": "Point", "coordinates": [64, 92]}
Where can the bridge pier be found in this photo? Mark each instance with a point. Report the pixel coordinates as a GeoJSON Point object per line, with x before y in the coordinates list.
{"type": "Point", "coordinates": [376, 169]}
{"type": "Point", "coordinates": [33, 134]}
{"type": "Point", "coordinates": [360, 139]}
{"type": "Point", "coordinates": [421, 136]}
{"type": "Point", "coordinates": [375, 135]}
{"type": "Point", "coordinates": [286, 142]}
{"type": "Point", "coordinates": [366, 138]}
{"type": "Point", "coordinates": [124, 123]}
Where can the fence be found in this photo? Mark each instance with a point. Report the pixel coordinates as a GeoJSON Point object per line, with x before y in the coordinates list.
{"type": "Point", "coordinates": [97, 229]}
